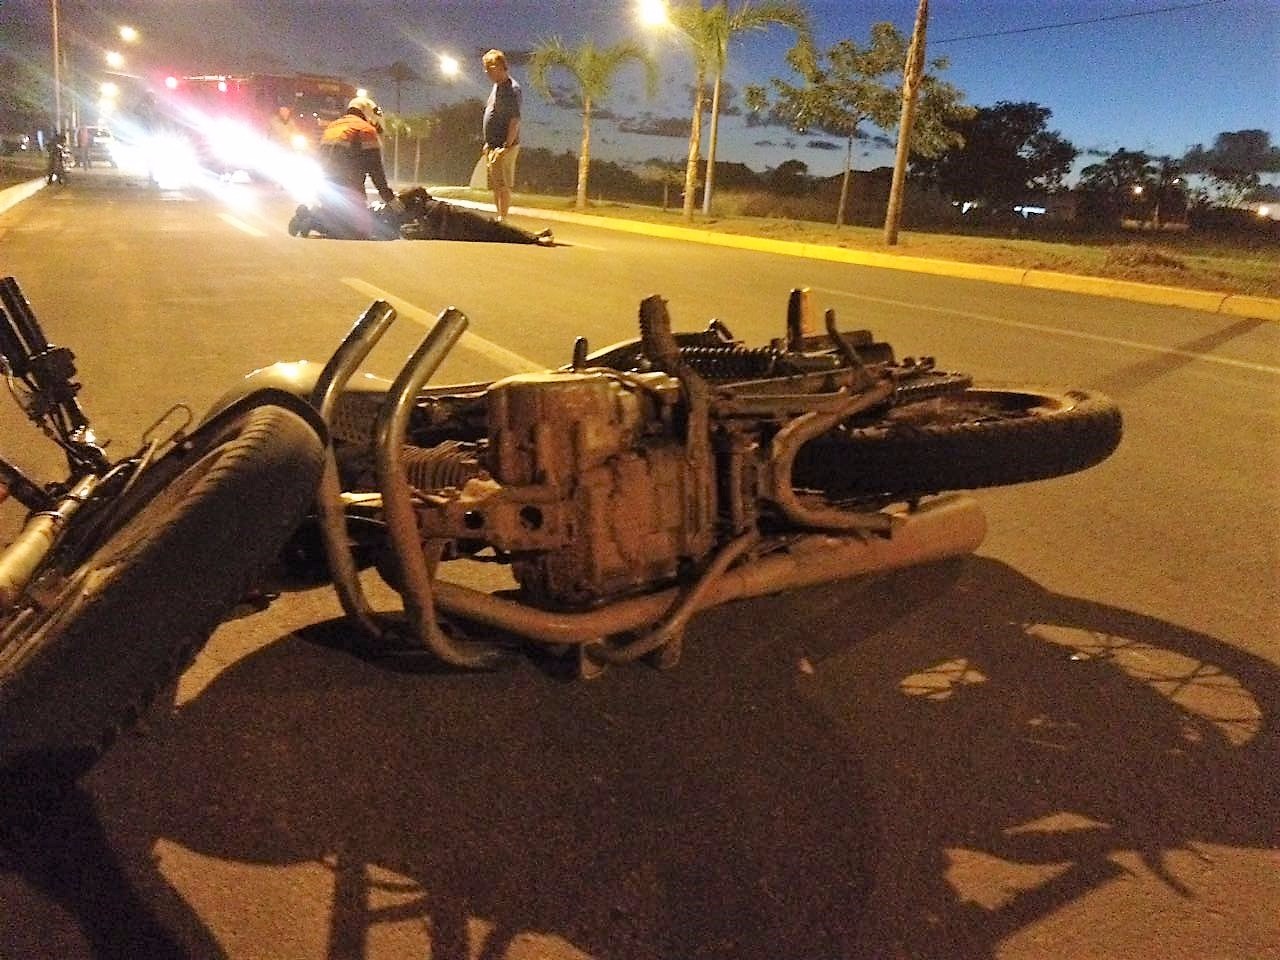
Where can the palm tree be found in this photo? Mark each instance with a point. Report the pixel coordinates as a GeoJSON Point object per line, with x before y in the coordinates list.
{"type": "Point", "coordinates": [708, 31]}
{"type": "Point", "coordinates": [593, 69]}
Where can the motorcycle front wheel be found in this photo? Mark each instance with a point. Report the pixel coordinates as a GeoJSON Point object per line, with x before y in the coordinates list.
{"type": "Point", "coordinates": [186, 544]}
{"type": "Point", "coordinates": [979, 437]}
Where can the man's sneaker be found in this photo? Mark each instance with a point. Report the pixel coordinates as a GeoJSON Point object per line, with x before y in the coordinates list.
{"type": "Point", "coordinates": [545, 237]}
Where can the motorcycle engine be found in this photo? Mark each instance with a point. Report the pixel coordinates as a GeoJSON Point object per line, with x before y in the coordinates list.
{"type": "Point", "coordinates": [593, 474]}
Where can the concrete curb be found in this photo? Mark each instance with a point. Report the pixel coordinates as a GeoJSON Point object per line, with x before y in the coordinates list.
{"type": "Point", "coordinates": [1237, 305]}
{"type": "Point", "coordinates": [14, 195]}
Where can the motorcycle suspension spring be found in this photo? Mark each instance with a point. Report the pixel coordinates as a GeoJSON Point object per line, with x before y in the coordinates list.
{"type": "Point", "coordinates": [448, 464]}
{"type": "Point", "coordinates": [730, 362]}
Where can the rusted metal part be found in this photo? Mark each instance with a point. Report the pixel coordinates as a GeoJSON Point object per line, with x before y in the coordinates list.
{"type": "Point", "coordinates": [863, 377]}
{"type": "Point", "coordinates": [668, 634]}
{"type": "Point", "coordinates": [787, 443]}
{"type": "Point", "coordinates": [948, 526]}
{"type": "Point", "coordinates": [799, 319]}
{"type": "Point", "coordinates": [359, 341]}
{"type": "Point", "coordinates": [397, 500]}
{"type": "Point", "coordinates": [661, 347]}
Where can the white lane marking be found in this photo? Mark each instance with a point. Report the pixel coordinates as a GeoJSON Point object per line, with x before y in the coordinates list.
{"type": "Point", "coordinates": [1059, 331]}
{"type": "Point", "coordinates": [241, 225]}
{"type": "Point", "coordinates": [474, 342]}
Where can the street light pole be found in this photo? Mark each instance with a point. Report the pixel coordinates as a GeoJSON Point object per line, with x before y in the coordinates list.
{"type": "Point", "coordinates": [57, 72]}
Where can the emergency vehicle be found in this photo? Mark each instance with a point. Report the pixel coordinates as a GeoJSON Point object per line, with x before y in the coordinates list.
{"type": "Point", "coordinates": [226, 119]}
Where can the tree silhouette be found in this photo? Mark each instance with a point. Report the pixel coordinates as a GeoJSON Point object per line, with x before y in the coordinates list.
{"type": "Point", "coordinates": [593, 70]}
{"type": "Point", "coordinates": [1235, 162]}
{"type": "Point", "coordinates": [708, 32]}
{"type": "Point", "coordinates": [858, 85]}
{"type": "Point", "coordinates": [1007, 152]}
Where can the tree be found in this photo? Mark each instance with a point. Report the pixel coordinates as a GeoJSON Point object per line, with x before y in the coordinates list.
{"type": "Point", "coordinates": [790, 176]}
{"type": "Point", "coordinates": [24, 90]}
{"type": "Point", "coordinates": [421, 127]}
{"type": "Point", "coordinates": [399, 73]}
{"type": "Point", "coordinates": [1007, 151]}
{"type": "Point", "coordinates": [396, 124]}
{"type": "Point", "coordinates": [858, 85]}
{"type": "Point", "coordinates": [458, 139]}
{"type": "Point", "coordinates": [1117, 183]}
{"type": "Point", "coordinates": [1168, 191]}
{"type": "Point", "coordinates": [1236, 162]}
{"type": "Point", "coordinates": [708, 32]}
{"type": "Point", "coordinates": [593, 70]}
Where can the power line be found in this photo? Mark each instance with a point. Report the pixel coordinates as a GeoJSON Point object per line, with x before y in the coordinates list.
{"type": "Point", "coordinates": [1076, 23]}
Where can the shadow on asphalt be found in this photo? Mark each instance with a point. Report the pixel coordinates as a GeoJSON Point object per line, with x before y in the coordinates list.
{"type": "Point", "coordinates": [803, 791]}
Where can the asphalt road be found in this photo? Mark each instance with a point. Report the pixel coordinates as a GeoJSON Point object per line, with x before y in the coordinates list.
{"type": "Point", "coordinates": [1062, 746]}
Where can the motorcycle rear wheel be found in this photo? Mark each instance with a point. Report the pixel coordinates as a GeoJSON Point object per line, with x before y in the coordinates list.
{"type": "Point", "coordinates": [129, 619]}
{"type": "Point", "coordinates": [980, 437]}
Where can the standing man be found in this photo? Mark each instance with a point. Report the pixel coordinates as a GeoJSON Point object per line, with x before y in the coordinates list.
{"type": "Point", "coordinates": [501, 130]}
{"type": "Point", "coordinates": [84, 140]}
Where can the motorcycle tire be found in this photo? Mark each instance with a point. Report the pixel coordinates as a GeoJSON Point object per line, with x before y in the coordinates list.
{"type": "Point", "coordinates": [979, 437]}
{"type": "Point", "coordinates": [189, 542]}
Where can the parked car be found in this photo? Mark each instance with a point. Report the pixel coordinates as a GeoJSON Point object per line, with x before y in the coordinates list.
{"type": "Point", "coordinates": [99, 148]}
{"type": "Point", "coordinates": [11, 143]}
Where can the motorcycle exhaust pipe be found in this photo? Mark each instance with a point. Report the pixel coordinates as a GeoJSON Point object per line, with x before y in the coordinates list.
{"type": "Point", "coordinates": [948, 526]}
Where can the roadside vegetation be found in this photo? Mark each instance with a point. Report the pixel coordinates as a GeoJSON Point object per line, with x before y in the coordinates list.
{"type": "Point", "coordinates": [20, 166]}
{"type": "Point", "coordinates": [1229, 263]}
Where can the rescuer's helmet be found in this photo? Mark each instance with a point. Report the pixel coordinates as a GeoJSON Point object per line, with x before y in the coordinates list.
{"type": "Point", "coordinates": [368, 109]}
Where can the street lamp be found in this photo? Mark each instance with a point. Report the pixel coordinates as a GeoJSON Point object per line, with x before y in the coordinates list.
{"type": "Point", "coordinates": [653, 13]}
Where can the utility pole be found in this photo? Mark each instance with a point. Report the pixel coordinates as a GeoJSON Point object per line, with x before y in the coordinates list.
{"type": "Point", "coordinates": [57, 72]}
{"type": "Point", "coordinates": [910, 91]}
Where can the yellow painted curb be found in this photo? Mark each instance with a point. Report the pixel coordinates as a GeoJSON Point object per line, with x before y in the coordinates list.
{"type": "Point", "coordinates": [1205, 300]}
{"type": "Point", "coordinates": [12, 196]}
{"type": "Point", "coordinates": [1261, 308]}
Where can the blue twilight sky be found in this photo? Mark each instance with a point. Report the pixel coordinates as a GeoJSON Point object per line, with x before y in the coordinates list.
{"type": "Point", "coordinates": [1152, 75]}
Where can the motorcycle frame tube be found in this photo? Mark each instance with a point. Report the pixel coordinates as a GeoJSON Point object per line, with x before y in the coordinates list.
{"type": "Point", "coordinates": [795, 435]}
{"type": "Point", "coordinates": [951, 525]}
{"type": "Point", "coordinates": [668, 634]}
{"type": "Point", "coordinates": [22, 558]}
{"type": "Point", "coordinates": [397, 500]}
{"type": "Point", "coordinates": [355, 347]}
{"type": "Point", "coordinates": [25, 490]}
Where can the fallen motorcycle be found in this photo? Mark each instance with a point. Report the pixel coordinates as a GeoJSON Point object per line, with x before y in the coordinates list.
{"type": "Point", "coordinates": [622, 493]}
{"type": "Point", "coordinates": [123, 568]}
